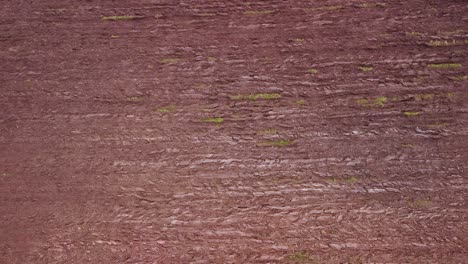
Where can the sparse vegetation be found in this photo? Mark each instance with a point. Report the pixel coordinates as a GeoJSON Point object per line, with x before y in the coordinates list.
{"type": "Point", "coordinates": [370, 5]}
{"type": "Point", "coordinates": [205, 14]}
{"type": "Point", "coordinates": [268, 131]}
{"type": "Point", "coordinates": [444, 65]}
{"type": "Point", "coordinates": [380, 101]}
{"type": "Point", "coordinates": [300, 257]}
{"type": "Point", "coordinates": [420, 203]}
{"type": "Point", "coordinates": [347, 180]}
{"type": "Point", "coordinates": [365, 68]}
{"type": "Point", "coordinates": [351, 180]}
{"type": "Point", "coordinates": [414, 34]}
{"type": "Point", "coordinates": [442, 43]}
{"type": "Point", "coordinates": [460, 78]}
{"type": "Point", "coordinates": [117, 18]}
{"type": "Point", "coordinates": [424, 97]}
{"type": "Point", "coordinates": [217, 120]}
{"type": "Point", "coordinates": [410, 114]}
{"type": "Point", "coordinates": [169, 60]}
{"type": "Point", "coordinates": [312, 71]}
{"type": "Point", "coordinates": [254, 97]}
{"type": "Point", "coordinates": [167, 109]}
{"type": "Point", "coordinates": [327, 8]}
{"type": "Point", "coordinates": [300, 102]}
{"type": "Point", "coordinates": [258, 12]}
{"type": "Point", "coordinates": [362, 102]}
{"type": "Point", "coordinates": [437, 125]}
{"type": "Point", "coordinates": [275, 143]}
{"type": "Point", "coordinates": [135, 98]}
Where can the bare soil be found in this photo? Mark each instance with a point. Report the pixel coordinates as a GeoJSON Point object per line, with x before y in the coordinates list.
{"type": "Point", "coordinates": [163, 131]}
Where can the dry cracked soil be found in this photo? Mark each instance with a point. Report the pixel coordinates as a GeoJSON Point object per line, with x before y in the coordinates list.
{"type": "Point", "coordinates": [183, 131]}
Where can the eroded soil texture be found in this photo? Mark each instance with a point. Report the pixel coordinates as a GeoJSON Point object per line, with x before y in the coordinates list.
{"type": "Point", "coordinates": [183, 131]}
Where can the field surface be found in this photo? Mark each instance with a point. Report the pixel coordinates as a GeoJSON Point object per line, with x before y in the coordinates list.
{"type": "Point", "coordinates": [164, 131]}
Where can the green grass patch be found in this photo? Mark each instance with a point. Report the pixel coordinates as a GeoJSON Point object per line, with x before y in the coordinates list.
{"type": "Point", "coordinates": [365, 68]}
{"type": "Point", "coordinates": [216, 120]}
{"type": "Point", "coordinates": [254, 97]}
{"type": "Point", "coordinates": [275, 143]}
{"type": "Point", "coordinates": [258, 12]}
{"type": "Point", "coordinates": [117, 18]}
{"type": "Point", "coordinates": [410, 114]}
{"type": "Point", "coordinates": [444, 65]}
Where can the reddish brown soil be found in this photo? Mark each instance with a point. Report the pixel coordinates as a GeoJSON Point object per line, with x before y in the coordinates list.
{"type": "Point", "coordinates": [105, 157]}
